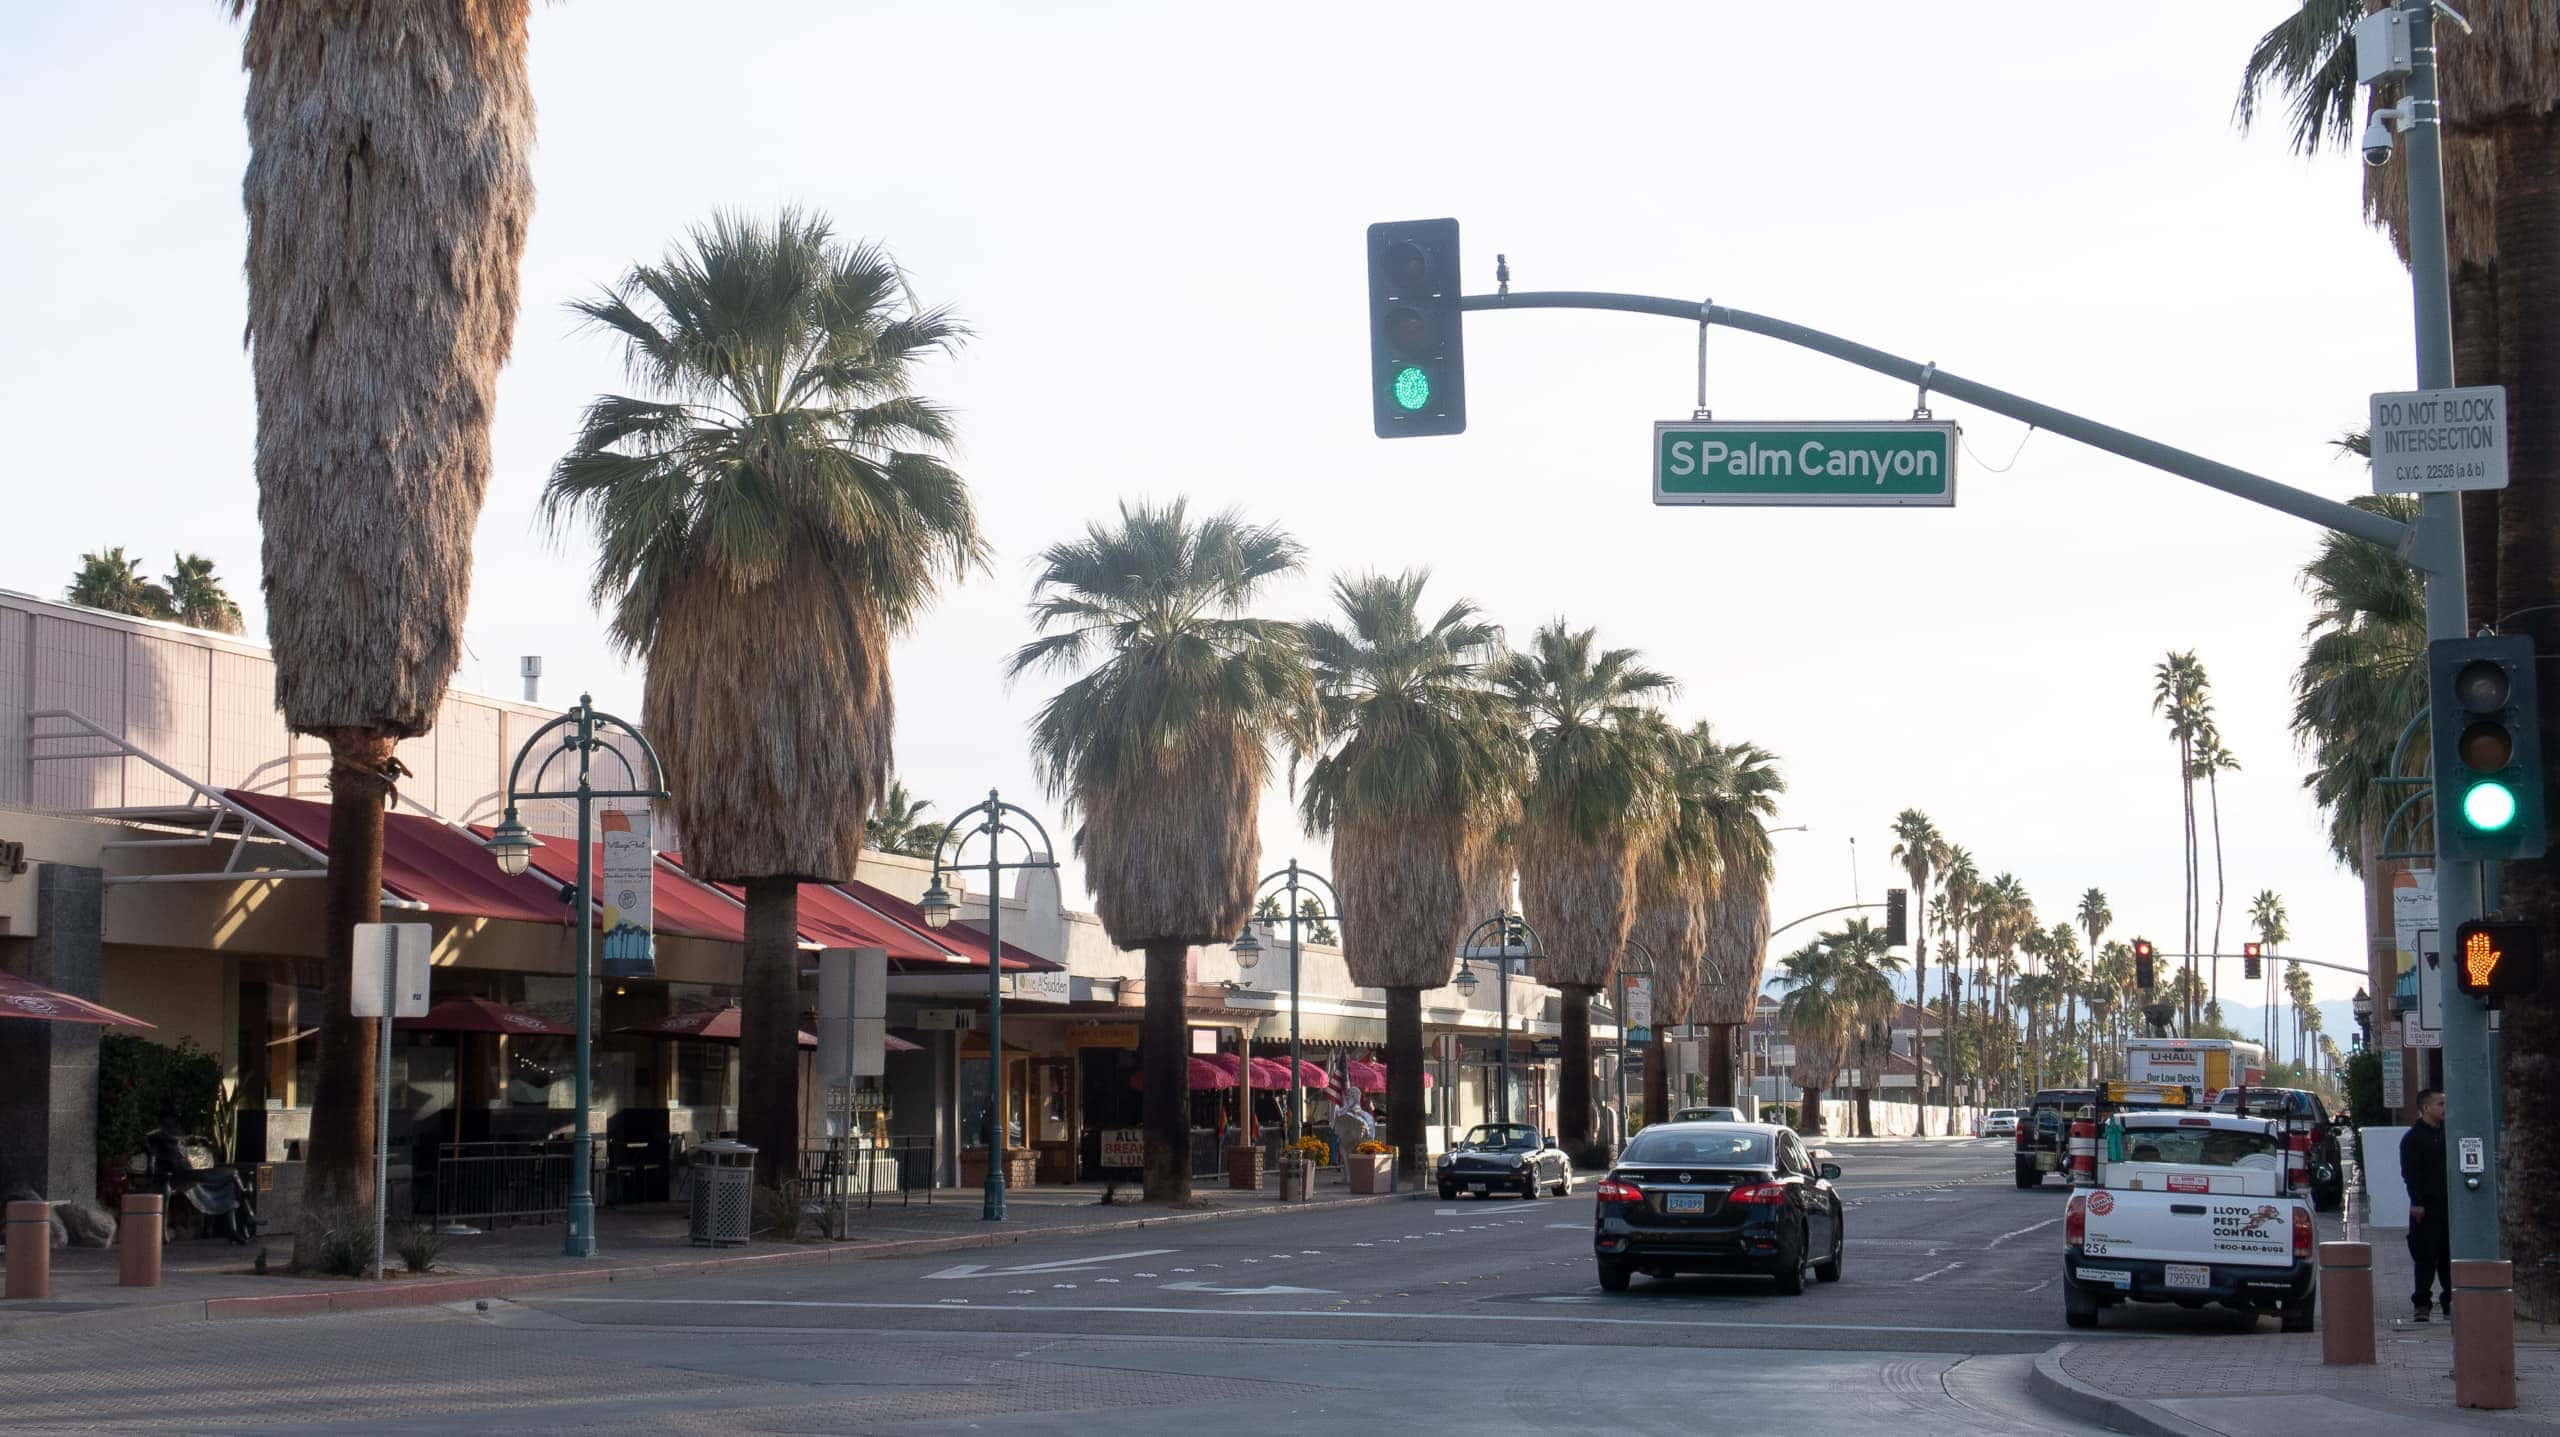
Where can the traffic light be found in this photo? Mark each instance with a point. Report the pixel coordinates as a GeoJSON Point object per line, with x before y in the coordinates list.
{"type": "Point", "coordinates": [1417, 360]}
{"type": "Point", "coordinates": [1897, 917]}
{"type": "Point", "coordinates": [2485, 711]}
{"type": "Point", "coordinates": [2145, 977]}
{"type": "Point", "coordinates": [2249, 960]}
{"type": "Point", "coordinates": [2496, 960]}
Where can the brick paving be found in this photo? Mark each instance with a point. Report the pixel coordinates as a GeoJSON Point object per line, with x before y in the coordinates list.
{"type": "Point", "coordinates": [202, 1280]}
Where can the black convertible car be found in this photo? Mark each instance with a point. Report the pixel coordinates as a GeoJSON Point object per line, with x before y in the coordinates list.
{"type": "Point", "coordinates": [1718, 1197]}
{"type": "Point", "coordinates": [1504, 1158]}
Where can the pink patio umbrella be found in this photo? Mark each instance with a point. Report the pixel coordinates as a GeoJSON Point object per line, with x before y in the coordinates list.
{"type": "Point", "coordinates": [22, 999]}
{"type": "Point", "coordinates": [1205, 1075]}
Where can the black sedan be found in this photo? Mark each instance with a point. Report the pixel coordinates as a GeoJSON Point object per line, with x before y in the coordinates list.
{"type": "Point", "coordinates": [1718, 1197]}
{"type": "Point", "coordinates": [1504, 1158]}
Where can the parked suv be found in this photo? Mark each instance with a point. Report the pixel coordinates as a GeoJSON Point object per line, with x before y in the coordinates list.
{"type": "Point", "coordinates": [2042, 1126]}
{"type": "Point", "coordinates": [2298, 1106]}
{"type": "Point", "coordinates": [1999, 1123]}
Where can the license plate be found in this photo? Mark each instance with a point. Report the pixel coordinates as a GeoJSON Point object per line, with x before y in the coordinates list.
{"type": "Point", "coordinates": [2187, 1274]}
{"type": "Point", "coordinates": [1684, 1202]}
{"type": "Point", "coordinates": [2112, 1277]}
{"type": "Point", "coordinates": [1475, 1187]}
{"type": "Point", "coordinates": [2046, 1162]}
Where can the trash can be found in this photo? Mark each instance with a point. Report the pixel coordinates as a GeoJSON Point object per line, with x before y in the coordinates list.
{"type": "Point", "coordinates": [724, 1185]}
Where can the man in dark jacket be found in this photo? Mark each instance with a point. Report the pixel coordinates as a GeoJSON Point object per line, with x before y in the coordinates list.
{"type": "Point", "coordinates": [2430, 1227]}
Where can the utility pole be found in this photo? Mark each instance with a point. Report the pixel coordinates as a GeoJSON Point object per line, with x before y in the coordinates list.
{"type": "Point", "coordinates": [2470, 1087]}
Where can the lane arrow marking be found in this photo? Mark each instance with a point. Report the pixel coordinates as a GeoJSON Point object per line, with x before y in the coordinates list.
{"type": "Point", "coordinates": [1274, 1291]}
{"type": "Point", "coordinates": [980, 1269]}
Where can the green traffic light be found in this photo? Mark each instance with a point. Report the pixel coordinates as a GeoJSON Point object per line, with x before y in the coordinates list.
{"type": "Point", "coordinates": [1413, 388]}
{"type": "Point", "coordinates": [2489, 807]}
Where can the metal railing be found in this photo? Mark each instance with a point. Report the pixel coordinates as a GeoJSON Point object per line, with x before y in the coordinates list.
{"type": "Point", "coordinates": [503, 1183]}
{"type": "Point", "coordinates": [833, 1180]}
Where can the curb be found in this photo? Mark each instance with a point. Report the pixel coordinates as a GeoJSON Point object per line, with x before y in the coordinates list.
{"type": "Point", "coordinates": [2070, 1396]}
{"type": "Point", "coordinates": [464, 1289]}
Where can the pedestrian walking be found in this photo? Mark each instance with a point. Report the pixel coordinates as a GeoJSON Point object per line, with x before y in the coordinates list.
{"type": "Point", "coordinates": [2430, 1228]}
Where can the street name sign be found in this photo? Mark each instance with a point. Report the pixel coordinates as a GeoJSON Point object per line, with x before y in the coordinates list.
{"type": "Point", "coordinates": [1817, 462]}
{"type": "Point", "coordinates": [2435, 441]}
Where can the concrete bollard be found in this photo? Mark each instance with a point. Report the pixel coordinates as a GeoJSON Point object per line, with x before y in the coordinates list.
{"type": "Point", "coordinates": [2484, 1334]}
{"type": "Point", "coordinates": [138, 1241]}
{"type": "Point", "coordinates": [30, 1250]}
{"type": "Point", "coordinates": [2346, 1301]}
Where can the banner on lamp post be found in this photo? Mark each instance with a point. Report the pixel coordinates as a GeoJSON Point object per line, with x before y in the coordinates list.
{"type": "Point", "coordinates": [1640, 1010]}
{"type": "Point", "coordinates": [623, 889]}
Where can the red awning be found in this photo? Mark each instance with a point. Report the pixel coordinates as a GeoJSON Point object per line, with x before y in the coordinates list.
{"type": "Point", "coordinates": [678, 902]}
{"type": "Point", "coordinates": [960, 939]}
{"type": "Point", "coordinates": [422, 860]}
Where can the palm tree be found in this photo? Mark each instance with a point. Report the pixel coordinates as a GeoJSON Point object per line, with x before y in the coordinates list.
{"type": "Point", "coordinates": [1958, 883]}
{"type": "Point", "coordinates": [2213, 760]}
{"type": "Point", "coordinates": [197, 598]}
{"type": "Point", "coordinates": [1415, 747]}
{"type": "Point", "coordinates": [388, 191]}
{"type": "Point", "coordinates": [769, 513]}
{"type": "Point", "coordinates": [1677, 876]}
{"type": "Point", "coordinates": [1918, 846]}
{"type": "Point", "coordinates": [110, 581]}
{"type": "Point", "coordinates": [2178, 695]}
{"type": "Point", "coordinates": [2095, 917]}
{"type": "Point", "coordinates": [1819, 1013]}
{"type": "Point", "coordinates": [2062, 964]}
{"type": "Point", "coordinates": [2111, 999]}
{"type": "Point", "coordinates": [2297, 988]}
{"type": "Point", "coordinates": [1163, 745]}
{"type": "Point", "coordinates": [1598, 792]}
{"type": "Point", "coordinates": [2267, 917]}
{"type": "Point", "coordinates": [1744, 784]}
{"type": "Point", "coordinates": [899, 825]}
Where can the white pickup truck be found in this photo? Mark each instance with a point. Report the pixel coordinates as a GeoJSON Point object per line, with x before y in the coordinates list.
{"type": "Point", "coordinates": [2190, 1208]}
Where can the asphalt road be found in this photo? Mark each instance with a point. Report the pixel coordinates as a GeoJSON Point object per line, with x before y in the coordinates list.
{"type": "Point", "coordinates": [1478, 1314]}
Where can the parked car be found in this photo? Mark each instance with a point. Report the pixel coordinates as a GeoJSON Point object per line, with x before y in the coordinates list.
{"type": "Point", "coordinates": [1998, 1123]}
{"type": "Point", "coordinates": [1707, 1115]}
{"type": "Point", "coordinates": [2302, 1112]}
{"type": "Point", "coordinates": [2041, 1128]}
{"type": "Point", "coordinates": [1504, 1157]}
{"type": "Point", "coordinates": [1718, 1197]}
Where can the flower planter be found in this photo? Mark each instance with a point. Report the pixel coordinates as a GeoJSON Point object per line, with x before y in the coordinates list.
{"type": "Point", "coordinates": [1245, 1169]}
{"type": "Point", "coordinates": [1371, 1172]}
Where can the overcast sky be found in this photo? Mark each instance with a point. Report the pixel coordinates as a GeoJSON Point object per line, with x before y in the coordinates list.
{"type": "Point", "coordinates": [1152, 216]}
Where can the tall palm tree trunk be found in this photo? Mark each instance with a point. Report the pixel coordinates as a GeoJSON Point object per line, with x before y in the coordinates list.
{"type": "Point", "coordinates": [2528, 218]}
{"type": "Point", "coordinates": [2213, 793]}
{"type": "Point", "coordinates": [1809, 1114]}
{"type": "Point", "coordinates": [1163, 1063]}
{"type": "Point", "coordinates": [1947, 1031]}
{"type": "Point", "coordinates": [1920, 1002]}
{"type": "Point", "coordinates": [1573, 1085]}
{"type": "Point", "coordinates": [769, 1030]}
{"type": "Point", "coordinates": [1719, 1064]}
{"type": "Point", "coordinates": [1404, 1082]}
{"type": "Point", "coordinates": [338, 1176]}
{"type": "Point", "coordinates": [2475, 361]}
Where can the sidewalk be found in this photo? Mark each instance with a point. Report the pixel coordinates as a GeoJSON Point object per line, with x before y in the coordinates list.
{"type": "Point", "coordinates": [206, 1280]}
{"type": "Point", "coordinates": [2274, 1382]}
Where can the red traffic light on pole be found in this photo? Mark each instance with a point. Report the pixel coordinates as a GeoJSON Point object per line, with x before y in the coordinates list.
{"type": "Point", "coordinates": [2249, 954]}
{"type": "Point", "coordinates": [2145, 975]}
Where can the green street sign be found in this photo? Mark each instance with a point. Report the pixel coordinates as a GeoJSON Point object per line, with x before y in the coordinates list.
{"type": "Point", "coordinates": [1706, 461]}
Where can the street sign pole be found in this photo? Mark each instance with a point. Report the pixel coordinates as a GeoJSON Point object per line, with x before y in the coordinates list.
{"type": "Point", "coordinates": [2470, 1088]}
{"type": "Point", "coordinates": [382, 1095]}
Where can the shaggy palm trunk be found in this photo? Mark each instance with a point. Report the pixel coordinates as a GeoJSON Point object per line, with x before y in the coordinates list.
{"type": "Point", "coordinates": [1657, 1076]}
{"type": "Point", "coordinates": [769, 1030]}
{"type": "Point", "coordinates": [1809, 1113]}
{"type": "Point", "coordinates": [1573, 1085]}
{"type": "Point", "coordinates": [2475, 361]}
{"type": "Point", "coordinates": [1404, 1082]}
{"type": "Point", "coordinates": [1920, 1002]}
{"type": "Point", "coordinates": [2213, 791]}
{"type": "Point", "coordinates": [338, 1176]}
{"type": "Point", "coordinates": [1719, 1062]}
{"type": "Point", "coordinates": [1866, 1116]}
{"type": "Point", "coordinates": [2528, 210]}
{"type": "Point", "coordinates": [1164, 1064]}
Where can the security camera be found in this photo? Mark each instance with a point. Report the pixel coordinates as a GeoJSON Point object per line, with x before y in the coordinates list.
{"type": "Point", "coordinates": [2377, 143]}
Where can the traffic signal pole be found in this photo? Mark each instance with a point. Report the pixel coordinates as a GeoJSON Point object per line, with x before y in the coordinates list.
{"type": "Point", "coordinates": [2470, 1085]}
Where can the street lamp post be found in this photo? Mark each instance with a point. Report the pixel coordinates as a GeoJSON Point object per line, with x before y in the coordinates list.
{"type": "Point", "coordinates": [1514, 938]}
{"type": "Point", "coordinates": [995, 820]}
{"type": "Point", "coordinates": [582, 731]}
{"type": "Point", "coordinates": [1248, 950]}
{"type": "Point", "coordinates": [1627, 968]}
